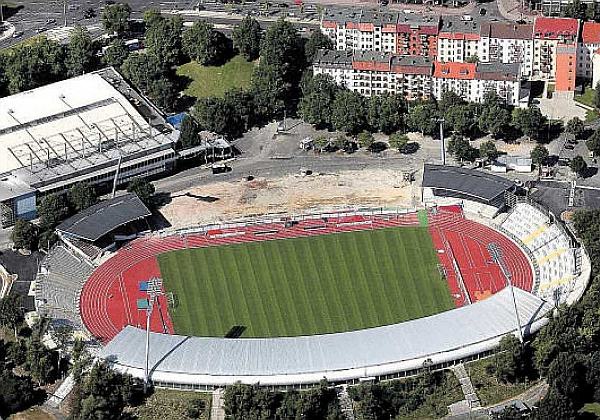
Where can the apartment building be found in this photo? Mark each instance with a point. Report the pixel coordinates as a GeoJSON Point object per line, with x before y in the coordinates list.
{"type": "Point", "coordinates": [548, 34]}
{"type": "Point", "coordinates": [507, 42]}
{"type": "Point", "coordinates": [458, 40]}
{"type": "Point", "coordinates": [372, 73]}
{"type": "Point", "coordinates": [417, 35]}
{"type": "Point", "coordinates": [472, 81]}
{"type": "Point", "coordinates": [589, 45]}
{"type": "Point", "coordinates": [406, 34]}
{"type": "Point", "coordinates": [359, 30]}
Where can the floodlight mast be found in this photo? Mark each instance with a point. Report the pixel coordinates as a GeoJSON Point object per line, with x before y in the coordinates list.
{"type": "Point", "coordinates": [496, 254]}
{"type": "Point", "coordinates": [154, 291]}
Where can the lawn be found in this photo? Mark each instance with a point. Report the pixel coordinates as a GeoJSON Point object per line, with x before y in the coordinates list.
{"type": "Point", "coordinates": [215, 81]}
{"type": "Point", "coordinates": [488, 388]}
{"type": "Point", "coordinates": [173, 405]}
{"type": "Point", "coordinates": [301, 286]}
{"type": "Point", "coordinates": [587, 98]}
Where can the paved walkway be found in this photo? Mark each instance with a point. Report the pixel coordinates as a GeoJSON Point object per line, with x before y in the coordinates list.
{"type": "Point", "coordinates": [217, 408]}
{"type": "Point", "coordinates": [471, 401]}
{"type": "Point", "coordinates": [345, 402]}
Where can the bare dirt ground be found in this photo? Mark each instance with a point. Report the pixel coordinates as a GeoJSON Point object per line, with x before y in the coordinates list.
{"type": "Point", "coordinates": [228, 200]}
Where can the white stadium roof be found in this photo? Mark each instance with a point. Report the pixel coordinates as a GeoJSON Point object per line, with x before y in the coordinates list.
{"type": "Point", "coordinates": [59, 109]}
{"type": "Point", "coordinates": [372, 352]}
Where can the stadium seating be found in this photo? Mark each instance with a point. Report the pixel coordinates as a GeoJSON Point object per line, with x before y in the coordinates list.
{"type": "Point", "coordinates": [549, 245]}
{"type": "Point", "coordinates": [59, 284]}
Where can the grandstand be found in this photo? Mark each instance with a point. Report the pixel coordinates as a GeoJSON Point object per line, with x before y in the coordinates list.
{"type": "Point", "coordinates": [59, 283]}
{"type": "Point", "coordinates": [97, 228]}
{"type": "Point", "coordinates": [88, 127]}
{"type": "Point", "coordinates": [440, 181]}
{"type": "Point", "coordinates": [562, 272]}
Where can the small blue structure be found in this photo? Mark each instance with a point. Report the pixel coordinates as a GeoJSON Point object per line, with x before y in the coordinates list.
{"type": "Point", "coordinates": [143, 286]}
{"type": "Point", "coordinates": [176, 120]}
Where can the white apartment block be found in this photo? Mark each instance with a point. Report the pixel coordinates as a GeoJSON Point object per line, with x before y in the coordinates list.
{"type": "Point", "coordinates": [370, 73]}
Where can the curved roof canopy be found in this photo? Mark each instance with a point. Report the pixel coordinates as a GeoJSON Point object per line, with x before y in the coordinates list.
{"type": "Point", "coordinates": [369, 352]}
{"type": "Point", "coordinates": [100, 219]}
{"type": "Point", "coordinates": [468, 182]}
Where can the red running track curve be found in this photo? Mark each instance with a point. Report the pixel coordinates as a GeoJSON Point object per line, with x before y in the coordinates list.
{"type": "Point", "coordinates": [466, 241]}
{"type": "Point", "coordinates": [109, 298]}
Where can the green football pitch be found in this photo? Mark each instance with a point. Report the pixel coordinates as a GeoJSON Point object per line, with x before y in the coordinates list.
{"type": "Point", "coordinates": [303, 286]}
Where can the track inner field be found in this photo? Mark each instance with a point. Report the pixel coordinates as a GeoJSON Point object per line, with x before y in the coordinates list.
{"type": "Point", "coordinates": [308, 285]}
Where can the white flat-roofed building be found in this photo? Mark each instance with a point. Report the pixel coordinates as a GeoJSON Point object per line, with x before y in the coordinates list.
{"type": "Point", "coordinates": [77, 130]}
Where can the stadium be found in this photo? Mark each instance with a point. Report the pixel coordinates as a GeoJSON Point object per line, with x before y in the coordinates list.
{"type": "Point", "coordinates": [289, 300]}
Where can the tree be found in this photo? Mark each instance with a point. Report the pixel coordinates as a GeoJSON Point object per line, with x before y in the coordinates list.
{"type": "Point", "coordinates": [228, 116]}
{"type": "Point", "coordinates": [511, 360]}
{"type": "Point", "coordinates": [386, 112]}
{"type": "Point", "coordinates": [204, 44]}
{"type": "Point", "coordinates": [80, 57]}
{"type": "Point", "coordinates": [578, 165]}
{"type": "Point", "coordinates": [567, 374]}
{"type": "Point", "coordinates": [143, 189]}
{"type": "Point", "coordinates": [16, 393]}
{"type": "Point", "coordinates": [320, 142]}
{"type": "Point", "coordinates": [24, 234]}
{"type": "Point", "coordinates": [539, 155]}
{"type": "Point", "coordinates": [104, 394]}
{"type": "Point", "coordinates": [270, 91]}
{"type": "Point", "coordinates": [488, 150]}
{"type": "Point", "coordinates": [530, 121]}
{"type": "Point", "coordinates": [188, 133]}
{"type": "Point", "coordinates": [348, 112]}
{"type": "Point", "coordinates": [115, 53]}
{"type": "Point", "coordinates": [423, 118]}
{"type": "Point", "coordinates": [281, 47]}
{"type": "Point", "coordinates": [34, 64]}
{"type": "Point", "coordinates": [597, 96]}
{"type": "Point", "coordinates": [51, 211]}
{"type": "Point", "coordinates": [593, 142]}
{"type": "Point", "coordinates": [575, 127]}
{"type": "Point", "coordinates": [317, 40]}
{"type": "Point", "coordinates": [398, 141]}
{"type": "Point", "coordinates": [318, 95]}
{"type": "Point", "coordinates": [62, 336]}
{"type": "Point", "coordinates": [163, 92]}
{"type": "Point", "coordinates": [246, 38]}
{"type": "Point", "coordinates": [81, 196]}
{"type": "Point", "coordinates": [365, 139]}
{"type": "Point", "coordinates": [115, 18]}
{"type": "Point", "coordinates": [149, 75]}
{"type": "Point", "coordinates": [163, 38]}
{"type": "Point", "coordinates": [460, 118]}
{"type": "Point", "coordinates": [461, 149]}
{"type": "Point", "coordinates": [11, 312]}
{"type": "Point", "coordinates": [556, 406]}
{"type": "Point", "coordinates": [40, 362]}
{"type": "Point", "coordinates": [494, 118]}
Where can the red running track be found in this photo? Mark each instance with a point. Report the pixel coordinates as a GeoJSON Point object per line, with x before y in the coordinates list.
{"type": "Point", "coordinates": [466, 241]}
{"type": "Point", "coordinates": [109, 298]}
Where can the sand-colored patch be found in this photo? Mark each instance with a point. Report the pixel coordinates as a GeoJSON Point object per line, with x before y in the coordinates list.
{"type": "Point", "coordinates": [224, 201]}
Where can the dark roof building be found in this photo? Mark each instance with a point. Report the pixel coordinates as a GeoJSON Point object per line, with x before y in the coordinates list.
{"type": "Point", "coordinates": [100, 219]}
{"type": "Point", "coordinates": [468, 184]}
{"type": "Point", "coordinates": [507, 30]}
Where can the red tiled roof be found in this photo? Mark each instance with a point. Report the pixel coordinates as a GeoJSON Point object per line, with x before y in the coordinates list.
{"type": "Point", "coordinates": [371, 65]}
{"type": "Point", "coordinates": [553, 28]}
{"type": "Point", "coordinates": [591, 33]}
{"type": "Point", "coordinates": [454, 70]}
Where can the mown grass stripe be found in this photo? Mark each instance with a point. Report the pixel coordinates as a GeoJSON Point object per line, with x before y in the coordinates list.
{"type": "Point", "coordinates": [319, 284]}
